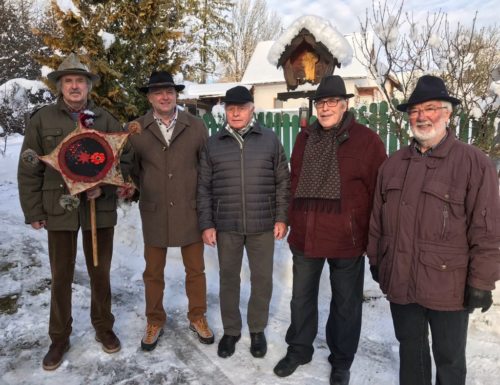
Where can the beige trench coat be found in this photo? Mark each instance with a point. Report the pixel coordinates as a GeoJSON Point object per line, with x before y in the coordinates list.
{"type": "Point", "coordinates": [167, 179]}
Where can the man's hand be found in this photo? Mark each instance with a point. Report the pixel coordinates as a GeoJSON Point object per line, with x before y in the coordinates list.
{"type": "Point", "coordinates": [477, 298]}
{"type": "Point", "coordinates": [37, 225]}
{"type": "Point", "coordinates": [125, 192]}
{"type": "Point", "coordinates": [209, 236]}
{"type": "Point", "coordinates": [280, 230]}
{"type": "Point", "coordinates": [94, 193]}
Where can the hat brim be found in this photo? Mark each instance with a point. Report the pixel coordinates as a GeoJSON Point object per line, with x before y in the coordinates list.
{"type": "Point", "coordinates": [345, 96]}
{"type": "Point", "coordinates": [145, 89]}
{"type": "Point", "coordinates": [236, 101]}
{"type": "Point", "coordinates": [56, 75]}
{"type": "Point", "coordinates": [403, 107]}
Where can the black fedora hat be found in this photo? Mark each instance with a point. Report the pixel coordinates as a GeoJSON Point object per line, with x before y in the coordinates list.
{"type": "Point", "coordinates": [332, 85]}
{"type": "Point", "coordinates": [159, 79]}
{"type": "Point", "coordinates": [428, 88]}
{"type": "Point", "coordinates": [238, 95]}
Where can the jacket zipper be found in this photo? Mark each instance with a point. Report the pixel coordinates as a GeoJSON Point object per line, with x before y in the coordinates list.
{"type": "Point", "coordinates": [445, 220]}
{"type": "Point", "coordinates": [243, 202]}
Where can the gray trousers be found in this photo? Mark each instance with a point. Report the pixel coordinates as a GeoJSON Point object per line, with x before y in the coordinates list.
{"type": "Point", "coordinates": [260, 251]}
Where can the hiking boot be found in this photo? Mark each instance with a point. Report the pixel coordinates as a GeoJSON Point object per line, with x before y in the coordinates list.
{"type": "Point", "coordinates": [200, 327]}
{"type": "Point", "coordinates": [151, 335]}
{"type": "Point", "coordinates": [54, 356]}
{"type": "Point", "coordinates": [109, 340]}
{"type": "Point", "coordinates": [258, 344]}
{"type": "Point", "coordinates": [227, 345]}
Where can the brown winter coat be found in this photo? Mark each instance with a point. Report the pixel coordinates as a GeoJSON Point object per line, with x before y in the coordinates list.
{"type": "Point", "coordinates": [167, 178]}
{"type": "Point", "coordinates": [41, 187]}
{"type": "Point", "coordinates": [435, 225]}
{"type": "Point", "coordinates": [343, 234]}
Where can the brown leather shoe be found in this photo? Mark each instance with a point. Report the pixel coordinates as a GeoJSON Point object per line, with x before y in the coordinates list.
{"type": "Point", "coordinates": [109, 340]}
{"type": "Point", "coordinates": [200, 327]}
{"type": "Point", "coordinates": [54, 356]}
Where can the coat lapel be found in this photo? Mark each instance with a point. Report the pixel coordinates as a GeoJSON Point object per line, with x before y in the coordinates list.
{"type": "Point", "coordinates": [151, 125]}
{"type": "Point", "coordinates": [180, 125]}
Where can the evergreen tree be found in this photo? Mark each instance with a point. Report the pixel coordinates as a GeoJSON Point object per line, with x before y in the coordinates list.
{"type": "Point", "coordinates": [122, 41]}
{"type": "Point", "coordinates": [17, 42]}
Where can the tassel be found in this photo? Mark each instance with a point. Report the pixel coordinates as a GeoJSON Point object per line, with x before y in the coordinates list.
{"type": "Point", "coordinates": [30, 157]}
{"type": "Point", "coordinates": [86, 118]}
{"type": "Point", "coordinates": [69, 202]}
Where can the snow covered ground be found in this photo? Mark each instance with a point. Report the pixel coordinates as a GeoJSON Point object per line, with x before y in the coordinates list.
{"type": "Point", "coordinates": [179, 358]}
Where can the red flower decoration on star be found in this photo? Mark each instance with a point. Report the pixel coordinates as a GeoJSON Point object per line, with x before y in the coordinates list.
{"type": "Point", "coordinates": [97, 158]}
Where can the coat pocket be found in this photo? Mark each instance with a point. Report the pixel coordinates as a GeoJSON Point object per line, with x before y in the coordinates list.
{"type": "Point", "coordinates": [51, 138]}
{"type": "Point", "coordinates": [441, 275]}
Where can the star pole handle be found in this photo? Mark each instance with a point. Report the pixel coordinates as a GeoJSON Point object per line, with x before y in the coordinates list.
{"type": "Point", "coordinates": [94, 232]}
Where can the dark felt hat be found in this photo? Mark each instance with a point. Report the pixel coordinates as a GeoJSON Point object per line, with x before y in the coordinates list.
{"type": "Point", "coordinates": [238, 95]}
{"type": "Point", "coordinates": [161, 79]}
{"type": "Point", "coordinates": [428, 88]}
{"type": "Point", "coordinates": [72, 65]}
{"type": "Point", "coordinates": [332, 85]}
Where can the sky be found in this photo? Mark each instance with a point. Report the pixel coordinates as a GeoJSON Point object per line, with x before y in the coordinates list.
{"type": "Point", "coordinates": [345, 14]}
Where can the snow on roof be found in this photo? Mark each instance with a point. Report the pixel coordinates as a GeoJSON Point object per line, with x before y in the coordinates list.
{"type": "Point", "coordinates": [323, 32]}
{"type": "Point", "coordinates": [259, 70]}
{"type": "Point", "coordinates": [195, 91]}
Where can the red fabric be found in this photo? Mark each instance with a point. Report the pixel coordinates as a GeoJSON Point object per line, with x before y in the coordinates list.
{"type": "Point", "coordinates": [340, 234]}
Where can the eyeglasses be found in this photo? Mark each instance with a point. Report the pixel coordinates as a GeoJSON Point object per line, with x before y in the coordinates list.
{"type": "Point", "coordinates": [413, 113]}
{"type": "Point", "coordinates": [328, 102]}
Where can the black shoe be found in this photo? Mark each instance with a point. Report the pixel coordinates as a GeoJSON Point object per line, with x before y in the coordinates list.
{"type": "Point", "coordinates": [340, 377]}
{"type": "Point", "coordinates": [227, 345]}
{"type": "Point", "coordinates": [258, 344]}
{"type": "Point", "coordinates": [287, 365]}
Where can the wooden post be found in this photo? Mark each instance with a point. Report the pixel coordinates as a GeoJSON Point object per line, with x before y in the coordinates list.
{"type": "Point", "coordinates": [94, 232]}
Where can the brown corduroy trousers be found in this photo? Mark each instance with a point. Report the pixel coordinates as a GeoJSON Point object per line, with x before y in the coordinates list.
{"type": "Point", "coordinates": [154, 282]}
{"type": "Point", "coordinates": [62, 255]}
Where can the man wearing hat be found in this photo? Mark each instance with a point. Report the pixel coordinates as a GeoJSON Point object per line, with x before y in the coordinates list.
{"type": "Point", "coordinates": [41, 191]}
{"type": "Point", "coordinates": [434, 238]}
{"type": "Point", "coordinates": [243, 191]}
{"type": "Point", "coordinates": [167, 152]}
{"type": "Point", "coordinates": [334, 169]}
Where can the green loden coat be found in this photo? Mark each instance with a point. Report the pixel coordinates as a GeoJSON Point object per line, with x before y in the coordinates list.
{"type": "Point", "coordinates": [41, 187]}
{"type": "Point", "coordinates": [167, 178]}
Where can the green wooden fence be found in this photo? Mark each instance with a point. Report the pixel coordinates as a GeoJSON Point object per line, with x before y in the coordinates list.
{"type": "Point", "coordinates": [374, 116]}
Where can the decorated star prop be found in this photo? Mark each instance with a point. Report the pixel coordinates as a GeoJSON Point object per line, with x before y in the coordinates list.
{"type": "Point", "coordinates": [87, 158]}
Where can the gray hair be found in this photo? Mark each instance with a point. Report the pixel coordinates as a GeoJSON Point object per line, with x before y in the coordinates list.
{"type": "Point", "coordinates": [447, 105]}
{"type": "Point", "coordinates": [59, 87]}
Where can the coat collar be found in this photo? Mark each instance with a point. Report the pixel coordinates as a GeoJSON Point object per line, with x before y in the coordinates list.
{"type": "Point", "coordinates": [180, 125]}
{"type": "Point", "coordinates": [440, 151]}
{"type": "Point", "coordinates": [256, 129]}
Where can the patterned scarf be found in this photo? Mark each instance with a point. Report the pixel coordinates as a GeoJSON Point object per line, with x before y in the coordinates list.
{"type": "Point", "coordinates": [320, 177]}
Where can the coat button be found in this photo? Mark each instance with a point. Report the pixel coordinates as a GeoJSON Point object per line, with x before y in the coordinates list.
{"type": "Point", "coordinates": [170, 176]}
{"type": "Point", "coordinates": [443, 267]}
{"type": "Point", "coordinates": [403, 203]}
{"type": "Point", "coordinates": [164, 148]}
{"type": "Point", "coordinates": [171, 204]}
{"type": "Point", "coordinates": [447, 196]}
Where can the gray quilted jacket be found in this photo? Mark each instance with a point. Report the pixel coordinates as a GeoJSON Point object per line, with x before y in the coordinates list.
{"type": "Point", "coordinates": [243, 188]}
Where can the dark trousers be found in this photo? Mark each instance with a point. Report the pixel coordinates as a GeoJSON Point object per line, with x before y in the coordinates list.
{"type": "Point", "coordinates": [260, 251]}
{"type": "Point", "coordinates": [344, 322]}
{"type": "Point", "coordinates": [62, 255]}
{"type": "Point", "coordinates": [154, 282]}
{"type": "Point", "coordinates": [449, 336]}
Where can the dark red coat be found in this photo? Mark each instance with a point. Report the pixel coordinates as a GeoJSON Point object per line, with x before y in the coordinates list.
{"type": "Point", "coordinates": [435, 225]}
{"type": "Point", "coordinates": [343, 234]}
